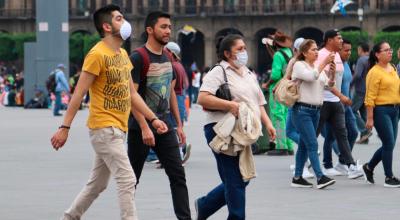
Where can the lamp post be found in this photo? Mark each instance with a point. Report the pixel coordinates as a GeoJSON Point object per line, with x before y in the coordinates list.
{"type": "Point", "coordinates": [360, 13]}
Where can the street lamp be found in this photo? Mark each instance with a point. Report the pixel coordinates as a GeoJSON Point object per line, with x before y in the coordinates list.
{"type": "Point", "coordinates": [360, 13]}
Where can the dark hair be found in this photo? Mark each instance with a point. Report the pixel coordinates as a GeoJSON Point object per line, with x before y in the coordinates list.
{"type": "Point", "coordinates": [152, 18]}
{"type": "Point", "coordinates": [372, 57]}
{"type": "Point", "coordinates": [345, 41]}
{"type": "Point", "coordinates": [304, 47]}
{"type": "Point", "coordinates": [103, 15]}
{"type": "Point", "coordinates": [364, 46]}
{"type": "Point", "coordinates": [226, 44]}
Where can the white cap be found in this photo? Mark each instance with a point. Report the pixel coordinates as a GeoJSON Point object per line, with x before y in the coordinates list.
{"type": "Point", "coordinates": [173, 47]}
{"type": "Point", "coordinates": [297, 43]}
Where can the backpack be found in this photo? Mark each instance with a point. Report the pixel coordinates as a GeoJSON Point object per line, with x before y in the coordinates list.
{"type": "Point", "coordinates": [51, 82]}
{"type": "Point", "coordinates": [145, 67]}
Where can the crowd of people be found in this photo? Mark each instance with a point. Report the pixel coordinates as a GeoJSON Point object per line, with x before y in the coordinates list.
{"type": "Point", "coordinates": [11, 86]}
{"type": "Point", "coordinates": [143, 98]}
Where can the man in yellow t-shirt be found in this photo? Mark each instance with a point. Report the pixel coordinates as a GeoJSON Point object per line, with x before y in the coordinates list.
{"type": "Point", "coordinates": [106, 74]}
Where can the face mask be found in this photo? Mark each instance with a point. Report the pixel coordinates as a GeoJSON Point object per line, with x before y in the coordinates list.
{"type": "Point", "coordinates": [125, 30]}
{"type": "Point", "coordinates": [241, 59]}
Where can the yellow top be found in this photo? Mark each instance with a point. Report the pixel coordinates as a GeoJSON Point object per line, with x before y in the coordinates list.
{"type": "Point", "coordinates": [110, 98]}
{"type": "Point", "coordinates": [382, 87]}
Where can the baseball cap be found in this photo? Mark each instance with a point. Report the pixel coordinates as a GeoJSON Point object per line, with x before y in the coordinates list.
{"type": "Point", "coordinates": [61, 66]}
{"type": "Point", "coordinates": [173, 47]}
{"type": "Point", "coordinates": [331, 34]}
{"type": "Point", "coordinates": [298, 42]}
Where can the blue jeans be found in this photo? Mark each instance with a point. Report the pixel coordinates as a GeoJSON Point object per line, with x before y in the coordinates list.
{"type": "Point", "coordinates": [306, 121]}
{"type": "Point", "coordinates": [232, 190]}
{"type": "Point", "coordinates": [291, 131]}
{"type": "Point", "coordinates": [385, 123]}
{"type": "Point", "coordinates": [330, 141]}
{"type": "Point", "coordinates": [182, 110]}
{"type": "Point", "coordinates": [359, 112]}
{"type": "Point", "coordinates": [57, 103]}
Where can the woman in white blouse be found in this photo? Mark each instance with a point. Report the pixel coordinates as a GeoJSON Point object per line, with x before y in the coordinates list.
{"type": "Point", "coordinates": [312, 80]}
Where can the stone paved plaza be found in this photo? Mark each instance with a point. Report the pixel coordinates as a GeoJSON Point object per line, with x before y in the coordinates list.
{"type": "Point", "coordinates": [38, 183]}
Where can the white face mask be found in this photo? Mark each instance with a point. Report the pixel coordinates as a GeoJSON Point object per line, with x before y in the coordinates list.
{"type": "Point", "coordinates": [126, 30]}
{"type": "Point", "coordinates": [241, 59]}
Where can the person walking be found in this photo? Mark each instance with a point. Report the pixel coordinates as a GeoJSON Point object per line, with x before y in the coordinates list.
{"type": "Point", "coordinates": [358, 81]}
{"type": "Point", "coordinates": [106, 74]}
{"type": "Point", "coordinates": [332, 111]}
{"type": "Point", "coordinates": [306, 110]}
{"type": "Point", "coordinates": [350, 120]}
{"type": "Point", "coordinates": [382, 101]}
{"type": "Point", "coordinates": [155, 80]}
{"type": "Point", "coordinates": [244, 88]}
{"type": "Point", "coordinates": [61, 87]}
{"type": "Point", "coordinates": [278, 111]}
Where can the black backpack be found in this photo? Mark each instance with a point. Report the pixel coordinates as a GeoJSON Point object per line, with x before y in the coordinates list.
{"type": "Point", "coordinates": [51, 83]}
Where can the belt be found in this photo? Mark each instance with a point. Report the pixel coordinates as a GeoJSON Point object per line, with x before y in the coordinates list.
{"type": "Point", "coordinates": [389, 105]}
{"type": "Point", "coordinates": [308, 105]}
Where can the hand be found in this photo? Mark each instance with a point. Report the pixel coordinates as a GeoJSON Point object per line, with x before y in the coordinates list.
{"type": "Point", "coordinates": [369, 124]}
{"type": "Point", "coordinates": [329, 59]}
{"type": "Point", "coordinates": [181, 135]}
{"type": "Point", "coordinates": [234, 108]}
{"type": "Point", "coordinates": [59, 138]}
{"type": "Point", "coordinates": [271, 132]}
{"type": "Point", "coordinates": [346, 100]}
{"type": "Point", "coordinates": [160, 126]}
{"type": "Point", "coordinates": [148, 137]}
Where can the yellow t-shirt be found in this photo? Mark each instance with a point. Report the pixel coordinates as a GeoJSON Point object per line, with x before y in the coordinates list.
{"type": "Point", "coordinates": [110, 99]}
{"type": "Point", "coordinates": [382, 87]}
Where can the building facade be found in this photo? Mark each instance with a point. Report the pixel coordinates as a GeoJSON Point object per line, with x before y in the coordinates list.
{"type": "Point", "coordinates": [254, 19]}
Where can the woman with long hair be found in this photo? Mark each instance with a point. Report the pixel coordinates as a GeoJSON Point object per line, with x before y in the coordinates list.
{"type": "Point", "coordinates": [312, 80]}
{"type": "Point", "coordinates": [382, 101]}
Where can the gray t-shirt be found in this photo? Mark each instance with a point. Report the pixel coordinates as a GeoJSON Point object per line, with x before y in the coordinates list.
{"type": "Point", "coordinates": [243, 87]}
{"type": "Point", "coordinates": [360, 75]}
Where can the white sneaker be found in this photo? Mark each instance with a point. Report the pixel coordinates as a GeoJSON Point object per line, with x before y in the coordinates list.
{"type": "Point", "coordinates": [291, 167]}
{"type": "Point", "coordinates": [332, 172]}
{"type": "Point", "coordinates": [307, 174]}
{"type": "Point", "coordinates": [355, 172]}
{"type": "Point", "coordinates": [342, 168]}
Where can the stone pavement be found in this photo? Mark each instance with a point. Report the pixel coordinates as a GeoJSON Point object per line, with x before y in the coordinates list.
{"type": "Point", "coordinates": [38, 183]}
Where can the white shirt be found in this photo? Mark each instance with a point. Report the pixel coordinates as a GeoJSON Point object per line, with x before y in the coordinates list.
{"type": "Point", "coordinates": [196, 80]}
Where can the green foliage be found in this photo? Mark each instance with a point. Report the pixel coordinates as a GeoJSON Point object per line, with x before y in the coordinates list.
{"type": "Point", "coordinates": [7, 48]}
{"type": "Point", "coordinates": [355, 37]}
{"type": "Point", "coordinates": [76, 48]}
{"type": "Point", "coordinates": [393, 38]}
{"type": "Point", "coordinates": [89, 41]}
{"type": "Point", "coordinates": [19, 40]}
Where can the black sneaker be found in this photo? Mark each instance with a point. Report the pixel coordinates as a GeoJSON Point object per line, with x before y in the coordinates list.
{"type": "Point", "coordinates": [301, 183]}
{"type": "Point", "coordinates": [392, 182]}
{"type": "Point", "coordinates": [324, 181]}
{"type": "Point", "coordinates": [368, 174]}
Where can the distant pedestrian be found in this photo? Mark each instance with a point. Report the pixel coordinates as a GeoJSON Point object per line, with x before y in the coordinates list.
{"type": "Point", "coordinates": [61, 87]}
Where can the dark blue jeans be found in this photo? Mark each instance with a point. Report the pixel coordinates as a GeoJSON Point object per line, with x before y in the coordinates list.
{"type": "Point", "coordinates": [330, 141]}
{"type": "Point", "coordinates": [359, 112]}
{"type": "Point", "coordinates": [306, 120]}
{"type": "Point", "coordinates": [57, 103]}
{"type": "Point", "coordinates": [385, 123]}
{"type": "Point", "coordinates": [232, 190]}
{"type": "Point", "coordinates": [291, 131]}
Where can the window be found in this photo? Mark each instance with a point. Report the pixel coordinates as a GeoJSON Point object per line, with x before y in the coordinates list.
{"type": "Point", "coordinates": [2, 4]}
{"type": "Point", "coordinates": [154, 5]}
{"type": "Point", "coordinates": [190, 7]}
{"type": "Point", "coordinates": [118, 2]}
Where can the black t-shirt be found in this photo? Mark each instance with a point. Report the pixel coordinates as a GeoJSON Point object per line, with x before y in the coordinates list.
{"type": "Point", "coordinates": [158, 84]}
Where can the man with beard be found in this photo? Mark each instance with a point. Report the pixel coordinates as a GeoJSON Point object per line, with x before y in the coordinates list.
{"type": "Point", "coordinates": [106, 74]}
{"type": "Point", "coordinates": [154, 78]}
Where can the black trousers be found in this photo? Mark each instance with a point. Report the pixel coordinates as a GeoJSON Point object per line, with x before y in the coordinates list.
{"type": "Point", "coordinates": [167, 150]}
{"type": "Point", "coordinates": [333, 113]}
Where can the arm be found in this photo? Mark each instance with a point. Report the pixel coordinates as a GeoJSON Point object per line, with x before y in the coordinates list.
{"type": "Point", "coordinates": [210, 101]}
{"type": "Point", "coordinates": [175, 113]}
{"type": "Point", "coordinates": [344, 99]}
{"type": "Point", "coordinates": [300, 71]}
{"type": "Point", "coordinates": [267, 123]}
{"type": "Point", "coordinates": [370, 118]}
{"type": "Point", "coordinates": [85, 81]}
{"type": "Point", "coordinates": [276, 71]}
{"type": "Point", "coordinates": [64, 82]}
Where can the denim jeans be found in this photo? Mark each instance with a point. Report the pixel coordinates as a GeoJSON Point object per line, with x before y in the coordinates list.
{"type": "Point", "coordinates": [291, 131]}
{"type": "Point", "coordinates": [359, 112]}
{"type": "Point", "coordinates": [385, 123]}
{"type": "Point", "coordinates": [330, 142]}
{"type": "Point", "coordinates": [306, 120]}
{"type": "Point", "coordinates": [57, 103]}
{"type": "Point", "coordinates": [232, 190]}
{"type": "Point", "coordinates": [333, 113]}
{"type": "Point", "coordinates": [182, 110]}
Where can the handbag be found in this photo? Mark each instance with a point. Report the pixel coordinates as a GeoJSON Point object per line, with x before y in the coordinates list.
{"type": "Point", "coordinates": [223, 91]}
{"type": "Point", "coordinates": [286, 90]}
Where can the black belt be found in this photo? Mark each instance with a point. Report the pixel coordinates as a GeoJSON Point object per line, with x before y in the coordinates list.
{"type": "Point", "coordinates": [308, 105]}
{"type": "Point", "coordinates": [389, 105]}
